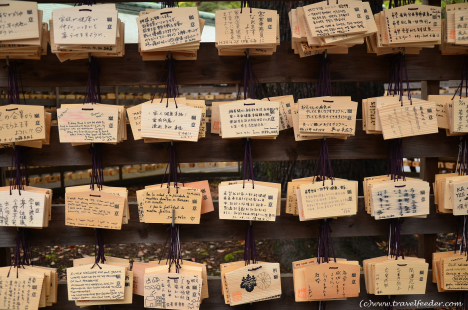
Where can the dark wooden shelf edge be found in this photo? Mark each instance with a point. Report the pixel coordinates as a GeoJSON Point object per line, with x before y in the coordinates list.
{"type": "Point", "coordinates": [215, 149]}
{"type": "Point", "coordinates": [211, 228]}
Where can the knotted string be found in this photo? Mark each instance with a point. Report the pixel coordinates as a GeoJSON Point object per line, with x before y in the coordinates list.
{"type": "Point", "coordinates": [171, 90]}
{"type": "Point", "coordinates": [250, 81]}
{"type": "Point", "coordinates": [18, 171]}
{"type": "Point", "coordinates": [395, 248]}
{"type": "Point", "coordinates": [248, 162]}
{"type": "Point", "coordinates": [246, 3]}
{"type": "Point", "coordinates": [324, 87]}
{"type": "Point", "coordinates": [14, 84]}
{"type": "Point", "coordinates": [169, 4]}
{"type": "Point", "coordinates": [93, 87]}
{"type": "Point", "coordinates": [464, 78]}
{"type": "Point", "coordinates": [97, 170]}
{"type": "Point", "coordinates": [85, 2]}
{"type": "Point", "coordinates": [250, 250]}
{"type": "Point", "coordinates": [395, 168]}
{"type": "Point", "coordinates": [99, 257]}
{"type": "Point", "coordinates": [323, 169]}
{"type": "Point", "coordinates": [462, 160]}
{"type": "Point", "coordinates": [23, 245]}
{"type": "Point", "coordinates": [174, 256]}
{"type": "Point", "coordinates": [395, 84]}
{"type": "Point", "coordinates": [174, 169]}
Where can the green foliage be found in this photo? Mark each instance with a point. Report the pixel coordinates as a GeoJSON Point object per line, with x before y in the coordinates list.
{"type": "Point", "coordinates": [228, 257]}
{"type": "Point", "coordinates": [212, 7]}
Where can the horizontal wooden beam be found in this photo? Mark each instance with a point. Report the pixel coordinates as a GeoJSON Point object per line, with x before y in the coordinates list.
{"type": "Point", "coordinates": [211, 228]}
{"type": "Point", "coordinates": [215, 149]}
{"type": "Point", "coordinates": [282, 67]}
{"type": "Point", "coordinates": [216, 300]}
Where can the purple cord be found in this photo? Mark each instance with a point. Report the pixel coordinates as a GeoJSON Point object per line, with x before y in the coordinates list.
{"type": "Point", "coordinates": [93, 87]}
{"type": "Point", "coordinates": [171, 89]}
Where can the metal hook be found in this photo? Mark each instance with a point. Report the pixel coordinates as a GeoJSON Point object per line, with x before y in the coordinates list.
{"type": "Point", "coordinates": [169, 55]}
{"type": "Point", "coordinates": [404, 50]}
{"type": "Point", "coordinates": [7, 60]}
{"type": "Point", "coordinates": [13, 145]}
{"type": "Point", "coordinates": [172, 142]}
{"type": "Point", "coordinates": [325, 53]}
{"type": "Point", "coordinates": [247, 53]}
{"type": "Point", "coordinates": [89, 57]}
{"type": "Point", "coordinates": [173, 217]}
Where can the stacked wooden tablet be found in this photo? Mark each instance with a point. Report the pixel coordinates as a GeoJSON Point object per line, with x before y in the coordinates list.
{"type": "Point", "coordinates": [235, 200]}
{"type": "Point", "coordinates": [251, 118]}
{"type": "Point", "coordinates": [397, 119]}
{"type": "Point", "coordinates": [22, 34]}
{"type": "Point", "coordinates": [389, 276]}
{"type": "Point", "coordinates": [454, 35]}
{"type": "Point", "coordinates": [314, 28]}
{"type": "Point", "coordinates": [242, 284]}
{"type": "Point", "coordinates": [109, 283]}
{"type": "Point", "coordinates": [312, 199]}
{"type": "Point", "coordinates": [80, 31]}
{"type": "Point", "coordinates": [407, 28]}
{"type": "Point", "coordinates": [28, 287]}
{"type": "Point", "coordinates": [91, 123]}
{"type": "Point", "coordinates": [255, 30]}
{"type": "Point", "coordinates": [30, 207]}
{"type": "Point", "coordinates": [152, 280]}
{"type": "Point", "coordinates": [326, 281]}
{"type": "Point", "coordinates": [164, 120]}
{"type": "Point", "coordinates": [320, 117]}
{"type": "Point", "coordinates": [35, 124]}
{"type": "Point", "coordinates": [450, 193]}
{"type": "Point", "coordinates": [157, 202]}
{"type": "Point", "coordinates": [177, 30]}
{"type": "Point", "coordinates": [106, 208]}
{"type": "Point", "coordinates": [449, 270]}
{"type": "Point", "coordinates": [386, 198]}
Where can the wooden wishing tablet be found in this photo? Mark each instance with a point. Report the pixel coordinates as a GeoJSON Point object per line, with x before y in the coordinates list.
{"type": "Point", "coordinates": [332, 280]}
{"type": "Point", "coordinates": [249, 118]}
{"type": "Point", "coordinates": [19, 20]}
{"type": "Point", "coordinates": [286, 104]}
{"type": "Point", "coordinates": [87, 123]}
{"type": "Point", "coordinates": [234, 28]}
{"type": "Point", "coordinates": [249, 202]}
{"type": "Point", "coordinates": [408, 120]}
{"type": "Point", "coordinates": [267, 184]}
{"type": "Point", "coordinates": [22, 291]}
{"type": "Point", "coordinates": [159, 203]}
{"type": "Point", "coordinates": [327, 115]}
{"type": "Point", "coordinates": [442, 116]}
{"type": "Point", "coordinates": [94, 209]}
{"type": "Point", "coordinates": [454, 273]}
{"type": "Point", "coordinates": [460, 198]}
{"type": "Point", "coordinates": [335, 198]}
{"type": "Point", "coordinates": [94, 283]}
{"type": "Point", "coordinates": [172, 291]}
{"type": "Point", "coordinates": [413, 23]}
{"type": "Point", "coordinates": [181, 123]}
{"type": "Point", "coordinates": [181, 26]}
{"type": "Point", "coordinates": [459, 114]}
{"type": "Point", "coordinates": [20, 123]}
{"type": "Point", "coordinates": [252, 283]}
{"type": "Point", "coordinates": [327, 19]}
{"type": "Point", "coordinates": [96, 25]}
{"type": "Point", "coordinates": [400, 199]}
{"type": "Point", "coordinates": [400, 277]}
{"type": "Point", "coordinates": [128, 295]}
{"type": "Point", "coordinates": [27, 209]}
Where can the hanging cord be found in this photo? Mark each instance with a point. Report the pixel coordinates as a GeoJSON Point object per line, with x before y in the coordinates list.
{"type": "Point", "coordinates": [395, 168]}
{"type": "Point", "coordinates": [93, 87]}
{"type": "Point", "coordinates": [250, 250]}
{"type": "Point", "coordinates": [23, 246]}
{"type": "Point", "coordinates": [169, 4]}
{"type": "Point", "coordinates": [174, 169]}
{"type": "Point", "coordinates": [14, 83]}
{"type": "Point", "coordinates": [395, 248]}
{"type": "Point", "coordinates": [85, 2]}
{"type": "Point", "coordinates": [324, 87]}
{"type": "Point", "coordinates": [18, 170]}
{"type": "Point", "coordinates": [248, 163]}
{"type": "Point", "coordinates": [464, 78]}
{"type": "Point", "coordinates": [246, 3]}
{"type": "Point", "coordinates": [97, 170]}
{"type": "Point", "coordinates": [323, 169]}
{"type": "Point", "coordinates": [325, 245]}
{"type": "Point", "coordinates": [171, 90]}
{"type": "Point", "coordinates": [250, 81]}
{"type": "Point", "coordinates": [174, 255]}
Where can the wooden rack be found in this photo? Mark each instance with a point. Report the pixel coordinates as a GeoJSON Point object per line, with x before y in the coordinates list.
{"type": "Point", "coordinates": [282, 67]}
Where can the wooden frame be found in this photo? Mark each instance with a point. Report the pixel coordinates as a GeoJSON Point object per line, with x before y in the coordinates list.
{"type": "Point", "coordinates": [282, 67]}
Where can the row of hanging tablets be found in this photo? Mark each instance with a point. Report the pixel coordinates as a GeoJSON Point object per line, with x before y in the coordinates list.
{"type": "Point", "coordinates": [313, 30]}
